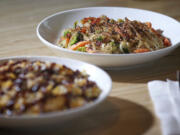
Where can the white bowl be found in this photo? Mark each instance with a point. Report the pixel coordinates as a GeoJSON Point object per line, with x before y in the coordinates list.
{"type": "Point", "coordinates": [101, 78]}
{"type": "Point", "coordinates": [50, 28]}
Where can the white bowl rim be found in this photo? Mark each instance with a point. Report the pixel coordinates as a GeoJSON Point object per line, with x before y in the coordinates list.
{"type": "Point", "coordinates": [57, 113]}
{"type": "Point", "coordinates": [47, 43]}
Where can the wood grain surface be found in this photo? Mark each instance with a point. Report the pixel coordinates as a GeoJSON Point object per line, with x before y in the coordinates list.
{"type": "Point", "coordinates": [129, 109]}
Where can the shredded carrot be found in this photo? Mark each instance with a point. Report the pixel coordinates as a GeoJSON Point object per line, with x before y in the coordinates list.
{"type": "Point", "coordinates": [167, 42]}
{"type": "Point", "coordinates": [96, 21]}
{"type": "Point", "coordinates": [67, 42]}
{"type": "Point", "coordinates": [92, 19]}
{"type": "Point", "coordinates": [79, 44]}
{"type": "Point", "coordinates": [66, 39]}
{"type": "Point", "coordinates": [83, 30]}
{"type": "Point", "coordinates": [141, 50]}
{"type": "Point", "coordinates": [87, 19]}
{"type": "Point", "coordinates": [149, 24]}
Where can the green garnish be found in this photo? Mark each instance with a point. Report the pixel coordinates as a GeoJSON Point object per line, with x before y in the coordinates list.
{"type": "Point", "coordinates": [98, 31]}
{"type": "Point", "coordinates": [82, 49]}
{"type": "Point", "coordinates": [100, 38]}
{"type": "Point", "coordinates": [112, 43]}
{"type": "Point", "coordinates": [66, 32]}
{"type": "Point", "coordinates": [75, 24]}
{"type": "Point", "coordinates": [75, 38]}
{"type": "Point", "coordinates": [114, 47]}
{"type": "Point", "coordinates": [112, 21]}
{"type": "Point", "coordinates": [120, 20]}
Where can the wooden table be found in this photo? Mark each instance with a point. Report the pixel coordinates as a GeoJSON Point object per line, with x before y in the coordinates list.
{"type": "Point", "coordinates": [129, 109]}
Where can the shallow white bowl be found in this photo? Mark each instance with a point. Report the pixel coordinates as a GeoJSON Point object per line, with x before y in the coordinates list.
{"type": "Point", "coordinates": [101, 78]}
{"type": "Point", "coordinates": [50, 28]}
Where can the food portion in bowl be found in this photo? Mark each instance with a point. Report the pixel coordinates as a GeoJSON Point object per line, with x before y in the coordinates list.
{"type": "Point", "coordinates": [35, 87]}
{"type": "Point", "coordinates": [105, 35]}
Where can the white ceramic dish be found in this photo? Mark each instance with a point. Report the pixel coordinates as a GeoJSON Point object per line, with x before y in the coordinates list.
{"type": "Point", "coordinates": [50, 28]}
{"type": "Point", "coordinates": [96, 74]}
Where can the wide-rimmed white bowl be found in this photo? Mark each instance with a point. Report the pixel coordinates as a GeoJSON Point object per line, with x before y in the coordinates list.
{"type": "Point", "coordinates": [96, 74]}
{"type": "Point", "coordinates": [50, 28]}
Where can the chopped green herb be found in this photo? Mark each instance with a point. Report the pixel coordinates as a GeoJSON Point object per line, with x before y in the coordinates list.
{"type": "Point", "coordinates": [99, 38]}
{"type": "Point", "coordinates": [75, 24]}
{"type": "Point", "coordinates": [75, 38]}
{"type": "Point", "coordinates": [82, 49]}
{"type": "Point", "coordinates": [98, 31]}
{"type": "Point", "coordinates": [114, 47]}
{"type": "Point", "coordinates": [66, 32]}
{"type": "Point", "coordinates": [112, 43]}
{"type": "Point", "coordinates": [120, 20]}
